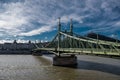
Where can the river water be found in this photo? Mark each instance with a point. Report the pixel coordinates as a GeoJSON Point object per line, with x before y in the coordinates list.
{"type": "Point", "coordinates": [28, 67]}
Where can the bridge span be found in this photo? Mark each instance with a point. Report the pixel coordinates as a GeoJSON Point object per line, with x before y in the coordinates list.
{"type": "Point", "coordinates": [66, 44]}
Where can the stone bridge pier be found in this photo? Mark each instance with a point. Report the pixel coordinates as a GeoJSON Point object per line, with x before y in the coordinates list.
{"type": "Point", "coordinates": [65, 60]}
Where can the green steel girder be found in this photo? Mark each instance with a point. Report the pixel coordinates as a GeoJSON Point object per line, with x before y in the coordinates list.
{"type": "Point", "coordinates": [67, 42]}
{"type": "Point", "coordinates": [91, 41]}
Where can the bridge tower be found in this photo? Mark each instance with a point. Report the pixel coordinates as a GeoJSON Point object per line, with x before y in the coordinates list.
{"type": "Point", "coordinates": [59, 36]}
{"type": "Point", "coordinates": [64, 60]}
{"type": "Point", "coordinates": [71, 33]}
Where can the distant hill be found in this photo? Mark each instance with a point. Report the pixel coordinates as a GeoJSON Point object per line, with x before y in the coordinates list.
{"type": "Point", "coordinates": [101, 37]}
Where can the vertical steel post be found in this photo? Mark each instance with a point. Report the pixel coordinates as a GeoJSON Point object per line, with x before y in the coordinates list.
{"type": "Point", "coordinates": [116, 39]}
{"type": "Point", "coordinates": [59, 36]}
{"type": "Point", "coordinates": [97, 42]}
{"type": "Point", "coordinates": [71, 33]}
{"type": "Point", "coordinates": [71, 27]}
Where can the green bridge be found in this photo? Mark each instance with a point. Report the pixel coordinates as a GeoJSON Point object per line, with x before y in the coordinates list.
{"type": "Point", "coordinates": [67, 42]}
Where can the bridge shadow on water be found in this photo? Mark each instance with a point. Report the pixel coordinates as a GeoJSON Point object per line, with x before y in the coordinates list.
{"type": "Point", "coordinates": [88, 65]}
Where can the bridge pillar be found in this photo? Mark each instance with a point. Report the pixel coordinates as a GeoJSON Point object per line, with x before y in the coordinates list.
{"type": "Point", "coordinates": [70, 61]}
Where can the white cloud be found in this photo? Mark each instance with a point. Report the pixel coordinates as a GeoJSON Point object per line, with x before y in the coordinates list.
{"type": "Point", "coordinates": [36, 31]}
{"type": "Point", "coordinates": [17, 19]}
{"type": "Point", "coordinates": [75, 17]}
{"type": "Point", "coordinates": [5, 41]}
{"type": "Point", "coordinates": [11, 41]}
{"type": "Point", "coordinates": [117, 24]}
{"type": "Point", "coordinates": [12, 19]}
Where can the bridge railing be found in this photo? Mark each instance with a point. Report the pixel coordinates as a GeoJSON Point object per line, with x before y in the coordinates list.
{"type": "Point", "coordinates": [81, 50]}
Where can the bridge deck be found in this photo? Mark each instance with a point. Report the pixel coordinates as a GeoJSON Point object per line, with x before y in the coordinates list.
{"type": "Point", "coordinates": [79, 50]}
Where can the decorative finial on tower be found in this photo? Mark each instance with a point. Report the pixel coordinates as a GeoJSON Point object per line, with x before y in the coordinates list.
{"type": "Point", "coordinates": [59, 25]}
{"type": "Point", "coordinates": [71, 27]}
{"type": "Point", "coordinates": [59, 22]}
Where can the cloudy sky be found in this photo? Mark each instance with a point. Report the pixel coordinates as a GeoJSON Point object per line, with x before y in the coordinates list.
{"type": "Point", "coordinates": [37, 19]}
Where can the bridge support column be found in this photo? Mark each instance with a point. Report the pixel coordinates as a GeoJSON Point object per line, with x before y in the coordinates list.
{"type": "Point", "coordinates": [37, 53]}
{"type": "Point", "coordinates": [70, 61]}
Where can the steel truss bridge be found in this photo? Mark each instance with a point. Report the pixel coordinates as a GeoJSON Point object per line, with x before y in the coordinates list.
{"type": "Point", "coordinates": [67, 42]}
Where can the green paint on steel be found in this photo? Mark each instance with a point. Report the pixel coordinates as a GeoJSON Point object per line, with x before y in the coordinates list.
{"type": "Point", "coordinates": [66, 42]}
{"type": "Point", "coordinates": [59, 36]}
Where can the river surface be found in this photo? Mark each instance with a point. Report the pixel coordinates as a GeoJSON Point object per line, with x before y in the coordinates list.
{"type": "Point", "coordinates": [28, 67]}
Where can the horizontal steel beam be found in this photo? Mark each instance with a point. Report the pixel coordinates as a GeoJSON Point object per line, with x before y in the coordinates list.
{"type": "Point", "coordinates": [80, 50]}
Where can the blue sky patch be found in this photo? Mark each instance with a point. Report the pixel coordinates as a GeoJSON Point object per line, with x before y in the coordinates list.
{"type": "Point", "coordinates": [38, 19]}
